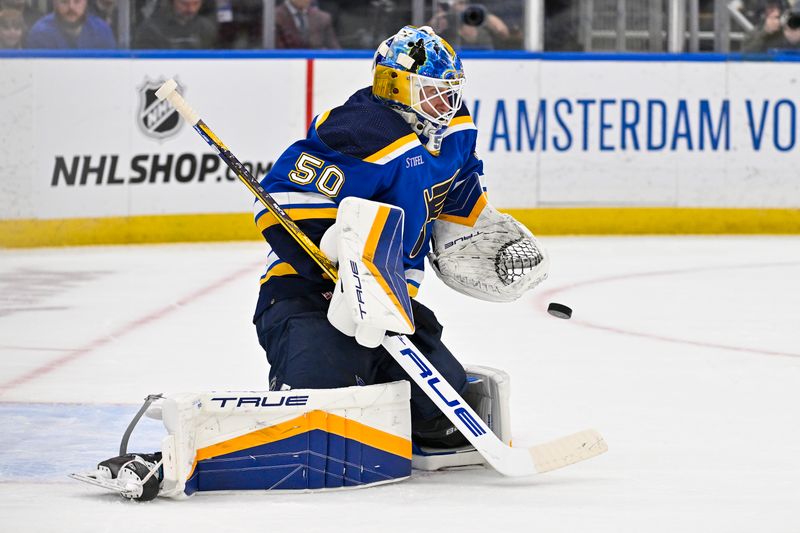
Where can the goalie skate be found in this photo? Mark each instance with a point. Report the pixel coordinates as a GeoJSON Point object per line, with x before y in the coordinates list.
{"type": "Point", "coordinates": [133, 476]}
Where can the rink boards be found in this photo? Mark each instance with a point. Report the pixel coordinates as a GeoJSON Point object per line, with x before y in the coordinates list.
{"type": "Point", "coordinates": [637, 144]}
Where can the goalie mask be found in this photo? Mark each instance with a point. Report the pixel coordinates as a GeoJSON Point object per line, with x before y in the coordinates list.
{"type": "Point", "coordinates": [419, 71]}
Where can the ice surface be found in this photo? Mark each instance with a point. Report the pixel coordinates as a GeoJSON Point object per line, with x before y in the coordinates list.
{"type": "Point", "coordinates": [684, 352]}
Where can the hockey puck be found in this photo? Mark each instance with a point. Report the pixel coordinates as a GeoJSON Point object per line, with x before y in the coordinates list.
{"type": "Point", "coordinates": [559, 310]}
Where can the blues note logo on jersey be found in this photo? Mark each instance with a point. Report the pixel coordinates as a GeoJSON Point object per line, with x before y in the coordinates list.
{"type": "Point", "coordinates": [434, 202]}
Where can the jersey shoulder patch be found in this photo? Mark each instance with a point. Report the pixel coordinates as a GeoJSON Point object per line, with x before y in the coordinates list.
{"type": "Point", "coordinates": [365, 129]}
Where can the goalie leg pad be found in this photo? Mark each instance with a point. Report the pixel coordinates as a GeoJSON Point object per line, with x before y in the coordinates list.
{"type": "Point", "coordinates": [299, 439]}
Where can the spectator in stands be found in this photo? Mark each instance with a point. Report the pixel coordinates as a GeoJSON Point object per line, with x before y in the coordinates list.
{"type": "Point", "coordinates": [775, 30]}
{"type": "Point", "coordinates": [512, 14]}
{"type": "Point", "coordinates": [240, 23]}
{"type": "Point", "coordinates": [561, 25]}
{"type": "Point", "coordinates": [298, 24]}
{"type": "Point", "coordinates": [360, 24]}
{"type": "Point", "coordinates": [179, 26]}
{"type": "Point", "coordinates": [448, 22]}
{"type": "Point", "coordinates": [29, 13]}
{"type": "Point", "coordinates": [70, 26]}
{"type": "Point", "coordinates": [12, 28]}
{"type": "Point", "coordinates": [105, 10]}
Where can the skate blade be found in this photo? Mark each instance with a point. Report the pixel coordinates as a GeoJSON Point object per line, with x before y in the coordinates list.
{"type": "Point", "coordinates": [127, 489]}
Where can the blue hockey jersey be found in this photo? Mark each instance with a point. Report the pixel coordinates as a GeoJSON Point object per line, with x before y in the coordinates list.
{"type": "Point", "coordinates": [365, 149]}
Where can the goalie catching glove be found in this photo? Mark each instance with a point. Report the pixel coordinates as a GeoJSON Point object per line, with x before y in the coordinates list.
{"type": "Point", "coordinates": [371, 296]}
{"type": "Point", "coordinates": [497, 259]}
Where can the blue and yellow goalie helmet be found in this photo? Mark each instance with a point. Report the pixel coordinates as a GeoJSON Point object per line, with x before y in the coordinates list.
{"type": "Point", "coordinates": [418, 70]}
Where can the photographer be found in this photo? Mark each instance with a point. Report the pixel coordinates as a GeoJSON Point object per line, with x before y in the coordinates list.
{"type": "Point", "coordinates": [780, 29]}
{"type": "Point", "coordinates": [468, 26]}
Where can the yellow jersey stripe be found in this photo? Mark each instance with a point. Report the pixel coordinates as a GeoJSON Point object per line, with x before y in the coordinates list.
{"type": "Point", "coordinates": [281, 269]}
{"type": "Point", "coordinates": [411, 137]}
{"type": "Point", "coordinates": [298, 213]}
{"type": "Point", "coordinates": [465, 119]}
{"type": "Point", "coordinates": [321, 118]}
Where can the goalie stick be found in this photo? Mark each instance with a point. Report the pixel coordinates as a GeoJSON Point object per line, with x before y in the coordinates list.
{"type": "Point", "coordinates": [503, 458]}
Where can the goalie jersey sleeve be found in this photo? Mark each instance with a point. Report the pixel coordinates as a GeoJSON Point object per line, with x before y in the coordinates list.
{"type": "Point", "coordinates": [364, 149]}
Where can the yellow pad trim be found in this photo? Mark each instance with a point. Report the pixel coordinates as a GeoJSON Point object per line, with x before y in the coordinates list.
{"type": "Point", "coordinates": [412, 290]}
{"type": "Point", "coordinates": [322, 420]}
{"type": "Point", "coordinates": [369, 258]}
{"type": "Point", "coordinates": [470, 219]}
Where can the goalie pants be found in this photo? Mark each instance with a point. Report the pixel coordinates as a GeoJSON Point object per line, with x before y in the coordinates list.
{"type": "Point", "coordinates": [306, 352]}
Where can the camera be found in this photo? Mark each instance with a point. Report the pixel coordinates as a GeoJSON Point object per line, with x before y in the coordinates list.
{"type": "Point", "coordinates": [791, 18]}
{"type": "Point", "coordinates": [472, 15]}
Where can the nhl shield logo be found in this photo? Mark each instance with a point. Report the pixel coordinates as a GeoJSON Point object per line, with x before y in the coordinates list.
{"type": "Point", "coordinates": [157, 118]}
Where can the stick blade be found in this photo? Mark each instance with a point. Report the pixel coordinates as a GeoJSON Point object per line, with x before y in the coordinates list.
{"type": "Point", "coordinates": [567, 450]}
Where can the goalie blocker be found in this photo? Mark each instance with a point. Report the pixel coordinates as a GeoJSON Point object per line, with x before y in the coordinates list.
{"type": "Point", "coordinates": [292, 440]}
